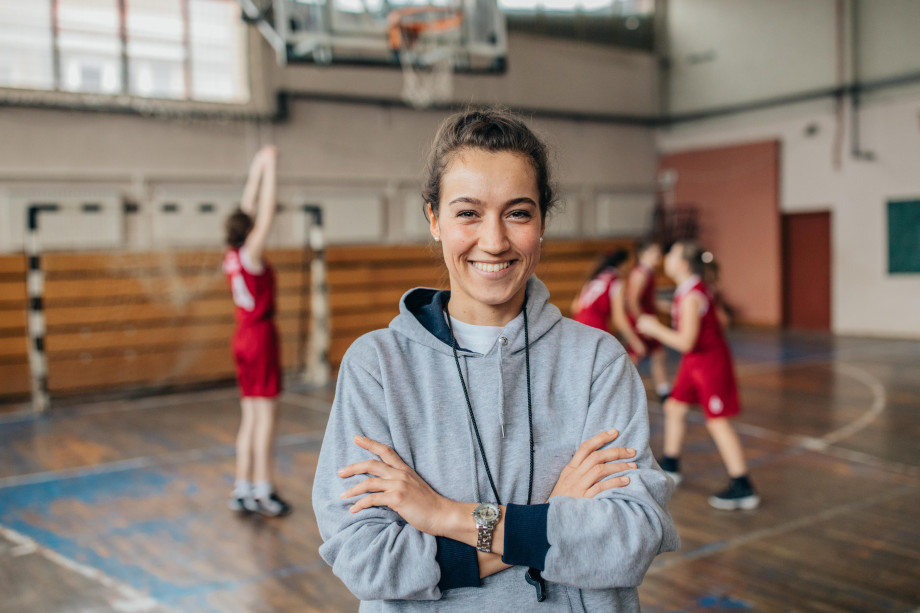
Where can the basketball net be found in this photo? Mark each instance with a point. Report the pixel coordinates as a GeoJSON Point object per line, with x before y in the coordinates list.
{"type": "Point", "coordinates": [424, 38]}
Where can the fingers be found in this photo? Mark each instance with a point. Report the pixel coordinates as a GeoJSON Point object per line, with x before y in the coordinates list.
{"type": "Point", "coordinates": [603, 486]}
{"type": "Point", "coordinates": [377, 499]}
{"type": "Point", "coordinates": [367, 486]}
{"type": "Point", "coordinates": [382, 451]}
{"type": "Point", "coordinates": [592, 444]}
{"type": "Point", "coordinates": [610, 454]}
{"type": "Point", "coordinates": [367, 467]}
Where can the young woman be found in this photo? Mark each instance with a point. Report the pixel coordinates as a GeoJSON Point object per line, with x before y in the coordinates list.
{"type": "Point", "coordinates": [468, 460]}
{"type": "Point", "coordinates": [601, 302]}
{"type": "Point", "coordinates": [256, 350]}
{"type": "Point", "coordinates": [640, 299]}
{"type": "Point", "coordinates": [705, 376]}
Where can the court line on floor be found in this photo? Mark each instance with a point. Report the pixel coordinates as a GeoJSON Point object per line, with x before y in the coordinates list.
{"type": "Point", "coordinates": [129, 600]}
{"type": "Point", "coordinates": [124, 405]}
{"type": "Point", "coordinates": [780, 529]}
{"type": "Point", "coordinates": [144, 462]}
{"type": "Point", "coordinates": [755, 368]}
{"type": "Point", "coordinates": [153, 401]}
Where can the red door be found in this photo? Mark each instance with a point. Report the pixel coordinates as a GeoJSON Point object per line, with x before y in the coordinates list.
{"type": "Point", "coordinates": [807, 270]}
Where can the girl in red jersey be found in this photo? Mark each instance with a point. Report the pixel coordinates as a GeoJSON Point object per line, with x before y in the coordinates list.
{"type": "Point", "coordinates": [600, 303]}
{"type": "Point", "coordinates": [640, 299]}
{"type": "Point", "coordinates": [256, 349]}
{"type": "Point", "coordinates": [705, 377]}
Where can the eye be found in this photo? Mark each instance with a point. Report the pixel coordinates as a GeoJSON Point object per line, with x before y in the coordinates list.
{"type": "Point", "coordinates": [520, 214]}
{"type": "Point", "coordinates": [466, 214]}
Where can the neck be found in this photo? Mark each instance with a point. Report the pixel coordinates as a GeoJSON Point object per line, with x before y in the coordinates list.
{"type": "Point", "coordinates": [479, 314]}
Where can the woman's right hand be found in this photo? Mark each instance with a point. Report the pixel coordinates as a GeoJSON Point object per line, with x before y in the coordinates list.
{"type": "Point", "coordinates": [583, 476]}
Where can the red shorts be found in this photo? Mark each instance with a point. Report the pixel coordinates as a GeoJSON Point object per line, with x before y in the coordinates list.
{"type": "Point", "coordinates": [651, 344]}
{"type": "Point", "coordinates": [709, 381]}
{"type": "Point", "coordinates": [257, 354]}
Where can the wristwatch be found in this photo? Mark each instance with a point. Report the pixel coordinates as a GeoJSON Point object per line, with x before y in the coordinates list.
{"type": "Point", "coordinates": [486, 515]}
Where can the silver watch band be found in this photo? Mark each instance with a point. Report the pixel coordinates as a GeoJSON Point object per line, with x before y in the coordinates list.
{"type": "Point", "coordinates": [484, 538]}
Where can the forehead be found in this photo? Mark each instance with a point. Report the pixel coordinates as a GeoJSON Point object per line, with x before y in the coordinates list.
{"type": "Point", "coordinates": [490, 173]}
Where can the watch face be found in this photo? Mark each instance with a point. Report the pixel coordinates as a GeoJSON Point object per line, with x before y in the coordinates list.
{"type": "Point", "coordinates": [487, 513]}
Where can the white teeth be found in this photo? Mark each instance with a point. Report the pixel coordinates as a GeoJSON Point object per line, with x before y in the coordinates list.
{"type": "Point", "coordinates": [491, 267]}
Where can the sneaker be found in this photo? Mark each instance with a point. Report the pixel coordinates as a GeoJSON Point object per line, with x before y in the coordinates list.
{"type": "Point", "coordinates": [739, 495]}
{"type": "Point", "coordinates": [272, 506]}
{"type": "Point", "coordinates": [238, 504]}
{"type": "Point", "coordinates": [671, 467]}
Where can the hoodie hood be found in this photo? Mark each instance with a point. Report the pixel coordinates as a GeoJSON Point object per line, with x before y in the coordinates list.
{"type": "Point", "coordinates": [421, 318]}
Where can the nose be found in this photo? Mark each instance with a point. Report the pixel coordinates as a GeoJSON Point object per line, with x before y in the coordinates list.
{"type": "Point", "coordinates": [493, 235]}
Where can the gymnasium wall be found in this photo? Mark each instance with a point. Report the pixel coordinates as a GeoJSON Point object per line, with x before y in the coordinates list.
{"type": "Point", "coordinates": [817, 168]}
{"type": "Point", "coordinates": [361, 162]}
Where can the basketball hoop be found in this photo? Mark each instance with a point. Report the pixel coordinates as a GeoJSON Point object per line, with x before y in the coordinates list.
{"type": "Point", "coordinates": [424, 38]}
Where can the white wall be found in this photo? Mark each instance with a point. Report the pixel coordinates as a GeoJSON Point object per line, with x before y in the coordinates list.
{"type": "Point", "coordinates": [865, 298]}
{"type": "Point", "coordinates": [727, 52]}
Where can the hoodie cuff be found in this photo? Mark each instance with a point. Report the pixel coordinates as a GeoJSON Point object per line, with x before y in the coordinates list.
{"type": "Point", "coordinates": [459, 564]}
{"type": "Point", "coordinates": [525, 535]}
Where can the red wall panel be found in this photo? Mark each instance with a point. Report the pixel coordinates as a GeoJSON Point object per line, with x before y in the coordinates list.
{"type": "Point", "coordinates": [737, 192]}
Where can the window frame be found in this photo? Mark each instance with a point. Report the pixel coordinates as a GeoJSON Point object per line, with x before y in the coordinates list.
{"type": "Point", "coordinates": [125, 97]}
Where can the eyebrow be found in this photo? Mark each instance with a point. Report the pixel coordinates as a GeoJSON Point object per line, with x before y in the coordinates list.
{"type": "Point", "coordinates": [472, 200]}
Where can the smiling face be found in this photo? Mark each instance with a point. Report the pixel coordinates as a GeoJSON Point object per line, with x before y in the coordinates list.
{"type": "Point", "coordinates": [489, 225]}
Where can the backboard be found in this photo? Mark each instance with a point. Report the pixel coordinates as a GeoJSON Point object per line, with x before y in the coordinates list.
{"type": "Point", "coordinates": [355, 32]}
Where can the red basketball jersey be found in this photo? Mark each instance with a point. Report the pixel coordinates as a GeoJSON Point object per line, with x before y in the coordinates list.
{"type": "Point", "coordinates": [253, 292]}
{"type": "Point", "coordinates": [710, 337]}
{"type": "Point", "coordinates": [596, 299]}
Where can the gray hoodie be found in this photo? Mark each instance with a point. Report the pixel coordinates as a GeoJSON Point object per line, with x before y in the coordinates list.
{"type": "Point", "coordinates": [400, 386]}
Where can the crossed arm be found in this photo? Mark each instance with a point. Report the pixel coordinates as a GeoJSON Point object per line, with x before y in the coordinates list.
{"type": "Point", "coordinates": [392, 483]}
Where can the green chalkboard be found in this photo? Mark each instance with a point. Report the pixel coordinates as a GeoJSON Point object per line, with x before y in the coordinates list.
{"type": "Point", "coordinates": [903, 236]}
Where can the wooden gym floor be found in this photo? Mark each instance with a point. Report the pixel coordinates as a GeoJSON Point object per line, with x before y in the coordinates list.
{"type": "Point", "coordinates": [119, 506]}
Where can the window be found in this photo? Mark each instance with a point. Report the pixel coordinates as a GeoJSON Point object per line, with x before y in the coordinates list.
{"type": "Point", "coordinates": [26, 58]}
{"type": "Point", "coordinates": [623, 23]}
{"type": "Point", "coordinates": [170, 49]}
{"type": "Point", "coordinates": [602, 7]}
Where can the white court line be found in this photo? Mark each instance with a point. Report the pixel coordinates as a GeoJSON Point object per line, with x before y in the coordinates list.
{"type": "Point", "coordinates": [879, 402]}
{"type": "Point", "coordinates": [784, 528]}
{"type": "Point", "coordinates": [756, 368]}
{"type": "Point", "coordinates": [124, 405]}
{"type": "Point", "coordinates": [177, 457]}
{"type": "Point", "coordinates": [127, 599]}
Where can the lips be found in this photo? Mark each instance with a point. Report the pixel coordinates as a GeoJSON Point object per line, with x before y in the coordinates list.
{"type": "Point", "coordinates": [490, 267]}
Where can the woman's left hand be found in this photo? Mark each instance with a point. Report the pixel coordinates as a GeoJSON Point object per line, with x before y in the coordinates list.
{"type": "Point", "coordinates": [396, 486]}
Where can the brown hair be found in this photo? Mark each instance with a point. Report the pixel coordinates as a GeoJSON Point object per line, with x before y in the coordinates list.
{"type": "Point", "coordinates": [237, 226]}
{"type": "Point", "coordinates": [493, 130]}
{"type": "Point", "coordinates": [692, 252]}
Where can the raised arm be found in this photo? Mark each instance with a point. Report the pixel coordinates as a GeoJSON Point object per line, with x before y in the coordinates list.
{"type": "Point", "coordinates": [251, 189]}
{"type": "Point", "coordinates": [266, 162]}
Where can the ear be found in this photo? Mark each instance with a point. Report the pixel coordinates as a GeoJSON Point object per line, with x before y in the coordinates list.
{"type": "Point", "coordinates": [433, 222]}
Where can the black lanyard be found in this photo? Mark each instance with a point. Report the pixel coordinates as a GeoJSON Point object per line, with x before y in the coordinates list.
{"type": "Point", "coordinates": [532, 576]}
